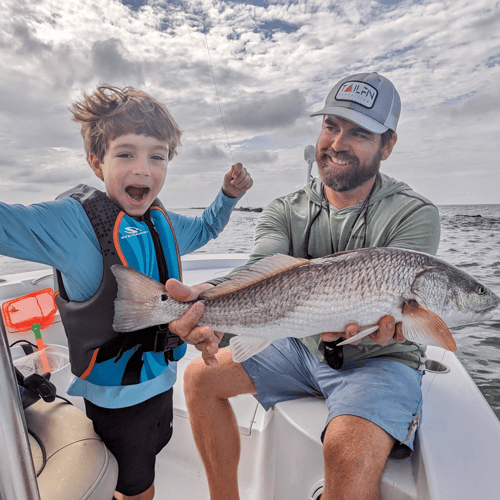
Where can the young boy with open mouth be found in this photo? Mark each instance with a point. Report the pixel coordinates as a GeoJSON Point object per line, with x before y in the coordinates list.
{"type": "Point", "coordinates": [125, 379]}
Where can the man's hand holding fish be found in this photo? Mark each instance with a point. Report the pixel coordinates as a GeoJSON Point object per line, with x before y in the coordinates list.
{"type": "Point", "coordinates": [203, 337]}
{"type": "Point", "coordinates": [386, 332]}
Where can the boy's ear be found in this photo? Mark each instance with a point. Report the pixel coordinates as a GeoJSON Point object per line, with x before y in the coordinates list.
{"type": "Point", "coordinates": [95, 164]}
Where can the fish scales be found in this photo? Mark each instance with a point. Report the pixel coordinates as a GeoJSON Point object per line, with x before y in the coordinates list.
{"type": "Point", "coordinates": [305, 298]}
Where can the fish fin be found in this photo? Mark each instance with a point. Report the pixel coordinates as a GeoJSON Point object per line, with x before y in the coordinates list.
{"type": "Point", "coordinates": [259, 271]}
{"type": "Point", "coordinates": [362, 334]}
{"type": "Point", "coordinates": [425, 327]}
{"type": "Point", "coordinates": [243, 348]}
{"type": "Point", "coordinates": [136, 299]}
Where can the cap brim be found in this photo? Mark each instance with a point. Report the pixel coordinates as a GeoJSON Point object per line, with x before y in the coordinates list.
{"type": "Point", "coordinates": [355, 117]}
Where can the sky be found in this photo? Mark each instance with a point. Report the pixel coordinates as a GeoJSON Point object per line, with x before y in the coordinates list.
{"type": "Point", "coordinates": [274, 63]}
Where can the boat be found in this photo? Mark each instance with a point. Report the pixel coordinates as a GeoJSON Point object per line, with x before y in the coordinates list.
{"type": "Point", "coordinates": [50, 452]}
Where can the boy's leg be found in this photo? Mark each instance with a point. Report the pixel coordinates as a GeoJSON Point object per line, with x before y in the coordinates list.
{"type": "Point", "coordinates": [135, 435]}
{"type": "Point", "coordinates": [213, 422]}
{"type": "Point", "coordinates": [146, 495]}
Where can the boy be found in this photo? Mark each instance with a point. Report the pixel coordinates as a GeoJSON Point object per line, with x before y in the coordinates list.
{"type": "Point", "coordinates": [125, 379]}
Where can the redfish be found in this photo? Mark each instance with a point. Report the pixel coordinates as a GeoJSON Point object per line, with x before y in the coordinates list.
{"type": "Point", "coordinates": [282, 296]}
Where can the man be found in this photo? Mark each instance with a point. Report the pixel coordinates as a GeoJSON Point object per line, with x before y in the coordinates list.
{"type": "Point", "coordinates": [372, 388]}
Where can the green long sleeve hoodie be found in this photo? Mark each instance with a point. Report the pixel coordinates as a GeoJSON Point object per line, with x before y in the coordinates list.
{"type": "Point", "coordinates": [304, 224]}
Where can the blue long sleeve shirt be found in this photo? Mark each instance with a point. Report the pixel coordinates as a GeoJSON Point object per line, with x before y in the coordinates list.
{"type": "Point", "coordinates": [58, 233]}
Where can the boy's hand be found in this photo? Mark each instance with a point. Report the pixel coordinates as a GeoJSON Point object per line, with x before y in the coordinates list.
{"type": "Point", "coordinates": [202, 337]}
{"type": "Point", "coordinates": [237, 181]}
{"type": "Point", "coordinates": [387, 331]}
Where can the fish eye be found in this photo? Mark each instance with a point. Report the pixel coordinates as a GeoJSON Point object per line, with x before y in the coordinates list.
{"type": "Point", "coordinates": [164, 297]}
{"type": "Point", "coordinates": [480, 290]}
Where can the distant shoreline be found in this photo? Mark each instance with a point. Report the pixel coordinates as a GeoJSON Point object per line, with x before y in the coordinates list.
{"type": "Point", "coordinates": [239, 209]}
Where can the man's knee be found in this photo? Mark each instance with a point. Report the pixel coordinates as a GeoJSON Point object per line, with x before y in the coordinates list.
{"type": "Point", "coordinates": [227, 380]}
{"type": "Point", "coordinates": [355, 444]}
{"type": "Point", "coordinates": [195, 379]}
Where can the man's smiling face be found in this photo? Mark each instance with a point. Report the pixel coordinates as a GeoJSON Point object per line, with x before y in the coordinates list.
{"type": "Point", "coordinates": [133, 170]}
{"type": "Point", "coordinates": [347, 155]}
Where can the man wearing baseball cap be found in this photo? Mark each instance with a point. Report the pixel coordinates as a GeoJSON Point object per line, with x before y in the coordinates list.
{"type": "Point", "coordinates": [372, 386]}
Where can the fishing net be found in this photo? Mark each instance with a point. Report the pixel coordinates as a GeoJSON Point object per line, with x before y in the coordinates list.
{"type": "Point", "coordinates": [35, 362]}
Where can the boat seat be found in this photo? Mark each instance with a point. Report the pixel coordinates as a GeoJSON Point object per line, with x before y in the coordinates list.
{"type": "Point", "coordinates": [299, 424]}
{"type": "Point", "coordinates": [71, 461]}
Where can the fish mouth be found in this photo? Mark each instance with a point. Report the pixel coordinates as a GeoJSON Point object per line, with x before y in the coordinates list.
{"type": "Point", "coordinates": [489, 310]}
{"type": "Point", "coordinates": [137, 193]}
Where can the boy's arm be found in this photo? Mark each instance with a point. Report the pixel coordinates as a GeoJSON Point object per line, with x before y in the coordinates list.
{"type": "Point", "coordinates": [55, 233]}
{"type": "Point", "coordinates": [237, 181]}
{"type": "Point", "coordinates": [194, 232]}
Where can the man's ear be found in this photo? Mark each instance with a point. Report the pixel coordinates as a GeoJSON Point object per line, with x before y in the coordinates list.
{"type": "Point", "coordinates": [387, 149]}
{"type": "Point", "coordinates": [96, 165]}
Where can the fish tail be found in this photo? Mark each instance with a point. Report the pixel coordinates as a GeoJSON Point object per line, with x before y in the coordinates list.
{"type": "Point", "coordinates": [136, 303]}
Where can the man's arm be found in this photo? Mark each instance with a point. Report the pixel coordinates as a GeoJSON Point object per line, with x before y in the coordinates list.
{"type": "Point", "coordinates": [419, 232]}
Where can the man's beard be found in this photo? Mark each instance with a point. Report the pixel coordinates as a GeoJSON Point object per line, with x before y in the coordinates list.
{"type": "Point", "coordinates": [346, 178]}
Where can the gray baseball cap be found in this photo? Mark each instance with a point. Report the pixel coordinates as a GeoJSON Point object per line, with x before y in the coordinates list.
{"type": "Point", "coordinates": [366, 99]}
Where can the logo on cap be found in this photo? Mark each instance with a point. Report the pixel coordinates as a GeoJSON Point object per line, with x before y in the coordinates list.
{"type": "Point", "coordinates": [358, 92]}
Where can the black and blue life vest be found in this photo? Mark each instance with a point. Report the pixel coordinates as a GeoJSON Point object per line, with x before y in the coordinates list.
{"type": "Point", "coordinates": [98, 353]}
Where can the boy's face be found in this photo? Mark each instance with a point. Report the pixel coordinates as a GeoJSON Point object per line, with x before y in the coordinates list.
{"type": "Point", "coordinates": [133, 170]}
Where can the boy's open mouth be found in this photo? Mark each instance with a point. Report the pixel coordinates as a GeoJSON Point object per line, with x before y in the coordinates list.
{"type": "Point", "coordinates": [137, 193]}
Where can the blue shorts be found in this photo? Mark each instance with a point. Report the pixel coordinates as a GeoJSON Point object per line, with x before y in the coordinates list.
{"type": "Point", "coordinates": [383, 391]}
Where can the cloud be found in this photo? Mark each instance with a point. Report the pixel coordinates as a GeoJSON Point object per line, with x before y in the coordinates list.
{"type": "Point", "coordinates": [26, 42]}
{"type": "Point", "coordinates": [274, 62]}
{"type": "Point", "coordinates": [478, 105]}
{"type": "Point", "coordinates": [110, 62]}
{"type": "Point", "coordinates": [261, 111]}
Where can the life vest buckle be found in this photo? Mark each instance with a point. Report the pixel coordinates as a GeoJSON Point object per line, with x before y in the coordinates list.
{"type": "Point", "coordinates": [165, 340]}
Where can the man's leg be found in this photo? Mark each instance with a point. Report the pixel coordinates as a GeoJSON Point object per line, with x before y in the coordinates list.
{"type": "Point", "coordinates": [370, 411]}
{"type": "Point", "coordinates": [355, 452]}
{"type": "Point", "coordinates": [213, 422]}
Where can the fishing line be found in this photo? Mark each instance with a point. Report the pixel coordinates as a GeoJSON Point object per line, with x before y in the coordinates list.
{"type": "Point", "coordinates": [220, 107]}
{"type": "Point", "coordinates": [218, 100]}
{"type": "Point", "coordinates": [436, 371]}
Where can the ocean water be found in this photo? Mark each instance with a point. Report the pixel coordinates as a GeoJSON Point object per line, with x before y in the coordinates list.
{"type": "Point", "coordinates": [470, 239]}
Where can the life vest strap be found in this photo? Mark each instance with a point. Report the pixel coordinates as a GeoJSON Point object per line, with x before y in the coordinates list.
{"type": "Point", "coordinates": [154, 339]}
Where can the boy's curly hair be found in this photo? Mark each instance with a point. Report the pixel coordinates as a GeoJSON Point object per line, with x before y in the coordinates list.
{"type": "Point", "coordinates": [111, 112]}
